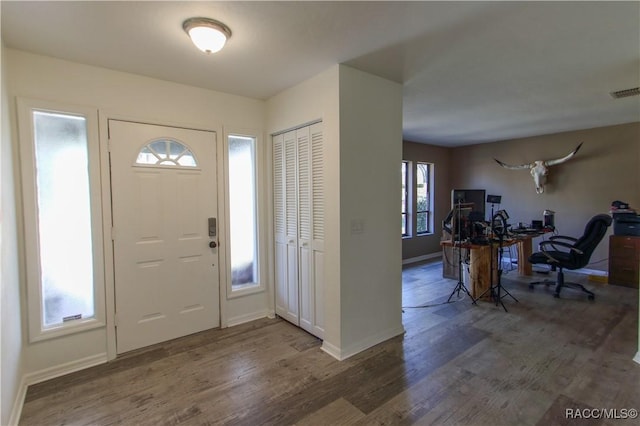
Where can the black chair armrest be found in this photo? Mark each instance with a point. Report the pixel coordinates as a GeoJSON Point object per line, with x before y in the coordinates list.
{"type": "Point", "coordinates": [562, 237]}
{"type": "Point", "coordinates": [556, 244]}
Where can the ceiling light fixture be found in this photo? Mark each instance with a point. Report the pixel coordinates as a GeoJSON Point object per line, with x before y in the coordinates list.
{"type": "Point", "coordinates": [207, 34]}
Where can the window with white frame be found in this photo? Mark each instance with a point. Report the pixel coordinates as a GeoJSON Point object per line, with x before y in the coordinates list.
{"type": "Point", "coordinates": [63, 237]}
{"type": "Point", "coordinates": [405, 198]}
{"type": "Point", "coordinates": [243, 212]}
{"type": "Point", "coordinates": [423, 198]}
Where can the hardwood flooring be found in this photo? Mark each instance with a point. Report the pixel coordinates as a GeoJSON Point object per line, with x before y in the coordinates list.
{"type": "Point", "coordinates": [457, 364]}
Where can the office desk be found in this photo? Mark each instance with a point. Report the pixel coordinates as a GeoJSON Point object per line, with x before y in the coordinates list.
{"type": "Point", "coordinates": [481, 265]}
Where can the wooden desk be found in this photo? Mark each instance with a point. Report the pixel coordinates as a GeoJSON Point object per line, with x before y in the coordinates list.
{"type": "Point", "coordinates": [525, 249]}
{"type": "Point", "coordinates": [480, 264]}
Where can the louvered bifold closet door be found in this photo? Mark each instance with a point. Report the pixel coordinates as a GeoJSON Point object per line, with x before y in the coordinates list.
{"type": "Point", "coordinates": [299, 227]}
{"type": "Point", "coordinates": [285, 224]}
{"type": "Point", "coordinates": [317, 227]}
{"type": "Point", "coordinates": [304, 229]}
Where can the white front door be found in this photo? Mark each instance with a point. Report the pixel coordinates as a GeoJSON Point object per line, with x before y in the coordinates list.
{"type": "Point", "coordinates": [163, 182]}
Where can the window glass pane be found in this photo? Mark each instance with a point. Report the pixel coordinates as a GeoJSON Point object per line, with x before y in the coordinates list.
{"type": "Point", "coordinates": [423, 197]}
{"type": "Point", "coordinates": [242, 211]}
{"type": "Point", "coordinates": [422, 226]}
{"type": "Point", "coordinates": [160, 147]}
{"type": "Point", "coordinates": [404, 171]}
{"type": "Point", "coordinates": [175, 149]}
{"type": "Point", "coordinates": [145, 156]}
{"type": "Point", "coordinates": [187, 160]}
{"type": "Point", "coordinates": [404, 187]}
{"type": "Point", "coordinates": [422, 182]}
{"type": "Point", "coordinates": [64, 217]}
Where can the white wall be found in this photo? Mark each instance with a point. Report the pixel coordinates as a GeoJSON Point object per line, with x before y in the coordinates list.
{"type": "Point", "coordinates": [317, 98]}
{"type": "Point", "coordinates": [371, 247]}
{"type": "Point", "coordinates": [362, 121]}
{"type": "Point", "coordinates": [10, 303]}
{"type": "Point", "coordinates": [126, 96]}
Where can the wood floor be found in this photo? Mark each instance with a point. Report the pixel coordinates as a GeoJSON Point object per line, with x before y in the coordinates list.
{"type": "Point", "coordinates": [457, 364]}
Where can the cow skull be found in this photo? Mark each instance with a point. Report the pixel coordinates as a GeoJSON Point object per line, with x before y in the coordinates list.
{"type": "Point", "coordinates": [539, 169]}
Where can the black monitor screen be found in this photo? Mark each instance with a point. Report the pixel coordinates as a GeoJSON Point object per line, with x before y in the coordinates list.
{"type": "Point", "coordinates": [475, 196]}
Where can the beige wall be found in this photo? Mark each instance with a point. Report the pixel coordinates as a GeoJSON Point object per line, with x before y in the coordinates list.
{"type": "Point", "coordinates": [605, 169]}
{"type": "Point", "coordinates": [314, 99]}
{"type": "Point", "coordinates": [363, 276]}
{"type": "Point", "coordinates": [11, 346]}
{"type": "Point", "coordinates": [417, 246]}
{"type": "Point", "coordinates": [371, 258]}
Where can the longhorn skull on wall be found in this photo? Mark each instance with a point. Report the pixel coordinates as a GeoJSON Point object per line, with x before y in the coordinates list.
{"type": "Point", "coordinates": [539, 169]}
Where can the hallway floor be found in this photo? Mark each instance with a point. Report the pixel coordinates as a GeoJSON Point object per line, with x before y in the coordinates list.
{"type": "Point", "coordinates": [457, 364]}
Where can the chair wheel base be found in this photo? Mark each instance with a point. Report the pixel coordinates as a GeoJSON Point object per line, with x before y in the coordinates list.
{"type": "Point", "coordinates": [556, 295]}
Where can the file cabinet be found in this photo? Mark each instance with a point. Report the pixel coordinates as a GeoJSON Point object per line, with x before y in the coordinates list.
{"type": "Point", "coordinates": [624, 259]}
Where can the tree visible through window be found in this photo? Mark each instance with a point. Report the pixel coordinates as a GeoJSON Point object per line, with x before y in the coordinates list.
{"type": "Point", "coordinates": [423, 208]}
{"type": "Point", "coordinates": [405, 198]}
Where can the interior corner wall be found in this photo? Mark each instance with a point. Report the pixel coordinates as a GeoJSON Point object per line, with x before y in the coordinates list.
{"type": "Point", "coordinates": [371, 252]}
{"type": "Point", "coordinates": [11, 346]}
{"type": "Point", "coordinates": [315, 99]}
{"type": "Point", "coordinates": [604, 170]}
{"type": "Point", "coordinates": [422, 245]}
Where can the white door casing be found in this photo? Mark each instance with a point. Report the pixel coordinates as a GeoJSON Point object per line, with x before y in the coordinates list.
{"type": "Point", "coordinates": [166, 273]}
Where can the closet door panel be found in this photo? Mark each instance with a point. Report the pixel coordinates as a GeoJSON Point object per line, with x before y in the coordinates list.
{"type": "Point", "coordinates": [291, 223]}
{"type": "Point", "coordinates": [280, 246]}
{"type": "Point", "coordinates": [316, 163]}
{"type": "Point", "coordinates": [307, 293]}
{"type": "Point", "coordinates": [318, 294]}
{"type": "Point", "coordinates": [304, 228]}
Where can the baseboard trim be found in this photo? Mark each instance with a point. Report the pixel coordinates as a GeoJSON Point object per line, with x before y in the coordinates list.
{"type": "Point", "coordinates": [332, 350]}
{"type": "Point", "coordinates": [66, 368]}
{"type": "Point", "coordinates": [637, 357]}
{"type": "Point", "coordinates": [421, 258]}
{"type": "Point", "coordinates": [47, 374]}
{"type": "Point", "coordinates": [241, 319]}
{"type": "Point", "coordinates": [18, 403]}
{"type": "Point", "coordinates": [351, 350]}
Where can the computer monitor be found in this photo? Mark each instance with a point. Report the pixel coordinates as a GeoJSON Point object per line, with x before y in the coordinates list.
{"type": "Point", "coordinates": [459, 215]}
{"type": "Point", "coordinates": [475, 196]}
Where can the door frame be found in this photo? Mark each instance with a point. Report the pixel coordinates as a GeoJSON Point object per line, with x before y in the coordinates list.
{"type": "Point", "coordinates": [105, 185]}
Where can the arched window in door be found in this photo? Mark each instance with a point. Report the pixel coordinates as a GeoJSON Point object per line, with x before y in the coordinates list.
{"type": "Point", "coordinates": [166, 152]}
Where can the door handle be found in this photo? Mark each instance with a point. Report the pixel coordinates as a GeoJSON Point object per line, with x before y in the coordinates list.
{"type": "Point", "coordinates": [213, 244]}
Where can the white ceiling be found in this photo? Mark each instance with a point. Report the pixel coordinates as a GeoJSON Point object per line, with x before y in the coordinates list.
{"type": "Point", "coordinates": [472, 72]}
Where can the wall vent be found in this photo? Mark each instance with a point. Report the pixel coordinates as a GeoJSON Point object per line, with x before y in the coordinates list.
{"type": "Point", "coordinates": [625, 93]}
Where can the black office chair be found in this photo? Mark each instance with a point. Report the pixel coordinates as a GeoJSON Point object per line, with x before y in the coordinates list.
{"type": "Point", "coordinates": [576, 253]}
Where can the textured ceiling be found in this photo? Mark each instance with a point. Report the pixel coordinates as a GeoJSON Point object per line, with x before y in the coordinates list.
{"type": "Point", "coordinates": [472, 72]}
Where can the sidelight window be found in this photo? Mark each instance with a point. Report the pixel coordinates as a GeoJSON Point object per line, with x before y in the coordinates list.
{"type": "Point", "coordinates": [62, 226]}
{"type": "Point", "coordinates": [243, 219]}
